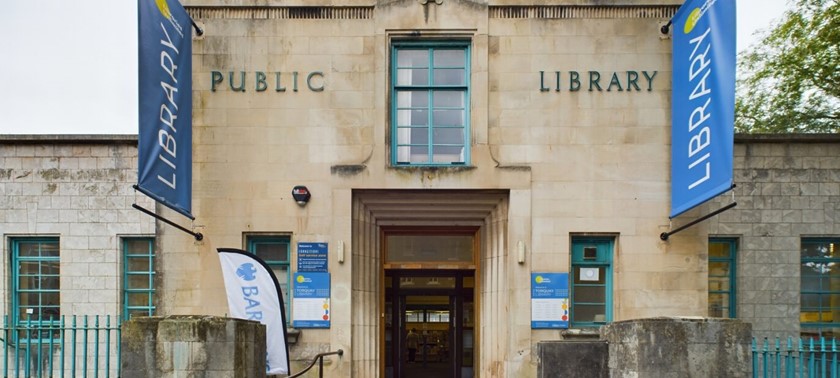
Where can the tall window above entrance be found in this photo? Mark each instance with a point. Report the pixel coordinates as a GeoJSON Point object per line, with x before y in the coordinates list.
{"type": "Point", "coordinates": [592, 281]}
{"type": "Point", "coordinates": [430, 103]}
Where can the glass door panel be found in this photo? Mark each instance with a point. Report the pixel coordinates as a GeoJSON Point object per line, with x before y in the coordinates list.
{"type": "Point", "coordinates": [428, 325]}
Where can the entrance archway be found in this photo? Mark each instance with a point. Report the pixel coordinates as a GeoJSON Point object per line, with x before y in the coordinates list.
{"type": "Point", "coordinates": [377, 211]}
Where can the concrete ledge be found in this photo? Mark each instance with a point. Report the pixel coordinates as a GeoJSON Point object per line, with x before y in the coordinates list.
{"type": "Point", "coordinates": [192, 346]}
{"type": "Point", "coordinates": [579, 358]}
{"type": "Point", "coordinates": [679, 347]}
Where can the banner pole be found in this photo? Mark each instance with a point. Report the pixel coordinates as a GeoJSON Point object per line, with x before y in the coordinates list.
{"type": "Point", "coordinates": [665, 235]}
{"type": "Point", "coordinates": [197, 235]}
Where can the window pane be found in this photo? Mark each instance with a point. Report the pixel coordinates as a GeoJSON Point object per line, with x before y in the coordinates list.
{"type": "Point", "coordinates": [818, 268]}
{"type": "Point", "coordinates": [719, 305]}
{"type": "Point", "coordinates": [448, 154]}
{"type": "Point", "coordinates": [413, 99]}
{"type": "Point", "coordinates": [139, 299]}
{"type": "Point", "coordinates": [271, 252]}
{"type": "Point", "coordinates": [413, 117]}
{"type": "Point", "coordinates": [718, 284]}
{"type": "Point", "coordinates": [414, 316]}
{"type": "Point", "coordinates": [39, 249]}
{"type": "Point", "coordinates": [449, 99]}
{"type": "Point", "coordinates": [52, 312]}
{"type": "Point", "coordinates": [449, 58]}
{"type": "Point", "coordinates": [816, 250]}
{"type": "Point", "coordinates": [590, 294]}
{"type": "Point", "coordinates": [28, 249]}
{"type": "Point", "coordinates": [50, 299]}
{"type": "Point", "coordinates": [448, 118]}
{"type": "Point", "coordinates": [589, 313]}
{"type": "Point", "coordinates": [412, 135]}
{"type": "Point", "coordinates": [27, 300]}
{"type": "Point", "coordinates": [29, 268]}
{"type": "Point", "coordinates": [51, 268]}
{"type": "Point", "coordinates": [719, 249]}
{"type": "Point", "coordinates": [139, 281]}
{"type": "Point", "coordinates": [140, 312]}
{"type": "Point", "coordinates": [420, 136]}
{"type": "Point", "coordinates": [413, 154]}
{"type": "Point", "coordinates": [138, 246]}
{"type": "Point", "coordinates": [453, 135]}
{"type": "Point", "coordinates": [589, 275]}
{"type": "Point", "coordinates": [719, 269]}
{"type": "Point", "coordinates": [450, 76]}
{"type": "Point", "coordinates": [412, 58]}
{"type": "Point", "coordinates": [416, 76]}
{"type": "Point", "coordinates": [139, 264]}
{"type": "Point", "coordinates": [29, 283]}
{"type": "Point", "coordinates": [415, 248]}
{"type": "Point", "coordinates": [808, 301]}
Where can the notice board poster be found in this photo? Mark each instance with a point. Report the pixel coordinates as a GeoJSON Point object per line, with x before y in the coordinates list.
{"type": "Point", "coordinates": [549, 300]}
{"type": "Point", "coordinates": [311, 303]}
{"type": "Point", "coordinates": [312, 257]}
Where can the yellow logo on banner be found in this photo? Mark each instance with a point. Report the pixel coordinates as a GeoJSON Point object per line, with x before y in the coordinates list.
{"type": "Point", "coordinates": [163, 7]}
{"type": "Point", "coordinates": [691, 20]}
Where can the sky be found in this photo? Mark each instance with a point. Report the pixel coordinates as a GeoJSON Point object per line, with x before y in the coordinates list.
{"type": "Point", "coordinates": [70, 67]}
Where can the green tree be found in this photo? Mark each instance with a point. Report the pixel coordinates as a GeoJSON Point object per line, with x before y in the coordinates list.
{"type": "Point", "coordinates": [790, 82]}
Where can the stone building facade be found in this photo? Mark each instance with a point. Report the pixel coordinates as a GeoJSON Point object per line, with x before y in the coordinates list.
{"type": "Point", "coordinates": [78, 260]}
{"type": "Point", "coordinates": [553, 157]}
{"type": "Point", "coordinates": [559, 142]}
{"type": "Point", "coordinates": [788, 193]}
{"type": "Point", "coordinates": [68, 198]}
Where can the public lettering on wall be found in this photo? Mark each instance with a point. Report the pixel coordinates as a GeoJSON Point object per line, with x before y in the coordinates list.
{"type": "Point", "coordinates": [259, 81]}
{"type": "Point", "coordinates": [574, 81]}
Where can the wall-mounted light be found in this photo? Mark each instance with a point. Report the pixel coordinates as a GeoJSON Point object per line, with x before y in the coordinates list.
{"type": "Point", "coordinates": [520, 252]}
{"type": "Point", "coordinates": [339, 251]}
{"type": "Point", "coordinates": [301, 195]}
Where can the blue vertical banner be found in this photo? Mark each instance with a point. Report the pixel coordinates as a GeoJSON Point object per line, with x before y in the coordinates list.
{"type": "Point", "coordinates": [164, 170]}
{"type": "Point", "coordinates": [702, 103]}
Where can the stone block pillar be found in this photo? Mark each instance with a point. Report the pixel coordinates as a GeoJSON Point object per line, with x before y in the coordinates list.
{"type": "Point", "coordinates": [192, 346]}
{"type": "Point", "coordinates": [679, 347]}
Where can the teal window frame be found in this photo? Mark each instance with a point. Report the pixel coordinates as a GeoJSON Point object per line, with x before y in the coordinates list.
{"type": "Point", "coordinates": [604, 247]}
{"type": "Point", "coordinates": [731, 260]}
{"type": "Point", "coordinates": [817, 271]}
{"type": "Point", "coordinates": [48, 270]}
{"type": "Point", "coordinates": [138, 266]}
{"type": "Point", "coordinates": [433, 131]}
{"type": "Point", "coordinates": [253, 242]}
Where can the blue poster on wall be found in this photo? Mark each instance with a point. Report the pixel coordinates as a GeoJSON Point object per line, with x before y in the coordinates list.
{"type": "Point", "coordinates": [311, 301]}
{"type": "Point", "coordinates": [312, 257]}
{"type": "Point", "coordinates": [703, 102]}
{"type": "Point", "coordinates": [549, 300]}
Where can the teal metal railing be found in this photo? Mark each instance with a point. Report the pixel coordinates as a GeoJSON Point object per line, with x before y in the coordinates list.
{"type": "Point", "coordinates": [795, 358]}
{"type": "Point", "coordinates": [77, 346]}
